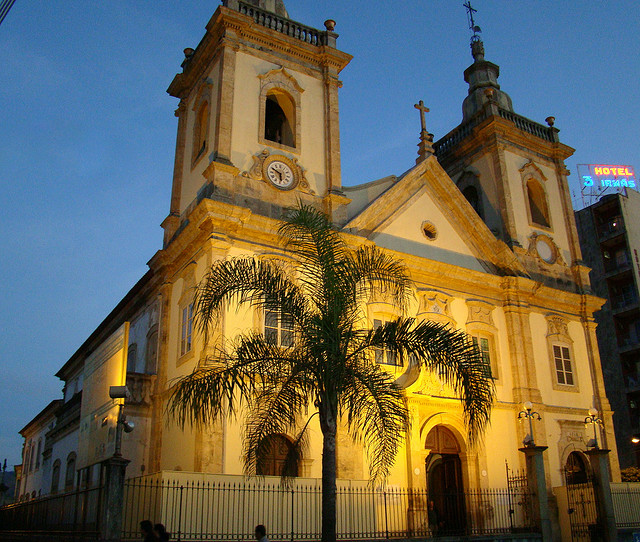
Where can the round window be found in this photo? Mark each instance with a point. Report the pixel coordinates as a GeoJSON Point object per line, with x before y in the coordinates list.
{"type": "Point", "coordinates": [429, 231]}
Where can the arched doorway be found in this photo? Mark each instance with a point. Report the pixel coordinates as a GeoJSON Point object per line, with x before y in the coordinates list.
{"type": "Point", "coordinates": [444, 480]}
{"type": "Point", "coordinates": [576, 469]}
{"type": "Point", "coordinates": [271, 461]}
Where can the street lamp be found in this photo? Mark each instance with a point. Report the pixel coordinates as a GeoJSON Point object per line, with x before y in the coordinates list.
{"type": "Point", "coordinates": [120, 392]}
{"type": "Point", "coordinates": [596, 421]}
{"type": "Point", "coordinates": [528, 414]}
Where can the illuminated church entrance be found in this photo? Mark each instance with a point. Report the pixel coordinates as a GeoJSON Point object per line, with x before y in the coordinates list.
{"type": "Point", "coordinates": [444, 480]}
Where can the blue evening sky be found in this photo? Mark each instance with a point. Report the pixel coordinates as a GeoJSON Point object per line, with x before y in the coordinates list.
{"type": "Point", "coordinates": [88, 134]}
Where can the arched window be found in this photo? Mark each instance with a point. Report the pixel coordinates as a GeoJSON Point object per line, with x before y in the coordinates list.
{"type": "Point", "coordinates": [201, 130]}
{"type": "Point", "coordinates": [32, 461]}
{"type": "Point", "coordinates": [27, 457]}
{"type": "Point", "coordinates": [271, 460]}
{"type": "Point", "coordinates": [538, 209]}
{"type": "Point", "coordinates": [38, 452]}
{"type": "Point", "coordinates": [280, 122]}
{"type": "Point", "coordinates": [132, 354]}
{"type": "Point", "coordinates": [471, 195]}
{"type": "Point", "coordinates": [70, 473]}
{"type": "Point", "coordinates": [152, 350]}
{"type": "Point", "coordinates": [576, 469]}
{"type": "Point", "coordinates": [469, 185]}
{"type": "Point", "coordinates": [55, 476]}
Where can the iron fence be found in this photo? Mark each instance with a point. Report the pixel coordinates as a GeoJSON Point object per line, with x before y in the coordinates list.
{"type": "Point", "coordinates": [228, 510]}
{"type": "Point", "coordinates": [626, 505]}
{"type": "Point", "coordinates": [68, 515]}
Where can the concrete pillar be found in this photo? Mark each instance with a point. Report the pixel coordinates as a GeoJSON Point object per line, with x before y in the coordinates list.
{"type": "Point", "coordinates": [537, 482]}
{"type": "Point", "coordinates": [113, 499]}
{"type": "Point", "coordinates": [602, 490]}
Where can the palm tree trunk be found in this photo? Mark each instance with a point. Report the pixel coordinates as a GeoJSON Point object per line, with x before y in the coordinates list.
{"type": "Point", "coordinates": [328, 425]}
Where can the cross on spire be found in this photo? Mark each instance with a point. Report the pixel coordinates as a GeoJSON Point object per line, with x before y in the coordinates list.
{"type": "Point", "coordinates": [425, 147]}
{"type": "Point", "coordinates": [423, 109]}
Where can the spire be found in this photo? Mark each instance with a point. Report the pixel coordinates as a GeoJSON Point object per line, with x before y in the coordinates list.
{"type": "Point", "coordinates": [482, 75]}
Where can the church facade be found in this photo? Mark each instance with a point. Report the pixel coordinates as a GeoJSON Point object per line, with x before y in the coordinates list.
{"type": "Point", "coordinates": [483, 221]}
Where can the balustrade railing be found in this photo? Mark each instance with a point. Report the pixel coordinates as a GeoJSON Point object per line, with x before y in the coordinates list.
{"type": "Point", "coordinates": [446, 143]}
{"type": "Point", "coordinates": [279, 24]}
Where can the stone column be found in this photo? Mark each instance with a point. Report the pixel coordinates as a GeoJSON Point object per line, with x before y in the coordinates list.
{"type": "Point", "coordinates": [111, 513]}
{"type": "Point", "coordinates": [602, 491]}
{"type": "Point", "coordinates": [537, 482]}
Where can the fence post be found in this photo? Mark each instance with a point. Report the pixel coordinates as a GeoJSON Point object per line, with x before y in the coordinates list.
{"type": "Point", "coordinates": [180, 515]}
{"type": "Point", "coordinates": [293, 495]}
{"type": "Point", "coordinates": [602, 492]}
{"type": "Point", "coordinates": [537, 482]}
{"type": "Point", "coordinates": [386, 519]}
{"type": "Point", "coordinates": [111, 520]}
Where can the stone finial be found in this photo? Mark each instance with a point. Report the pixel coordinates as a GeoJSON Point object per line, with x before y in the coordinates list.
{"type": "Point", "coordinates": [550, 121]}
{"type": "Point", "coordinates": [330, 25]}
{"type": "Point", "coordinates": [477, 50]}
{"type": "Point", "coordinates": [188, 52]}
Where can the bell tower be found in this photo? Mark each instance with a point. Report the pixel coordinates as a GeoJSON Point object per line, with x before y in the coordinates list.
{"type": "Point", "coordinates": [258, 120]}
{"type": "Point", "coordinates": [511, 170]}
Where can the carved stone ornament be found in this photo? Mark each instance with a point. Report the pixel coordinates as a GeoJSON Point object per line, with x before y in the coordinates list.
{"type": "Point", "coordinates": [479, 312]}
{"type": "Point", "coordinates": [433, 302]}
{"type": "Point", "coordinates": [543, 247]}
{"type": "Point", "coordinates": [279, 171]}
{"type": "Point", "coordinates": [557, 325]}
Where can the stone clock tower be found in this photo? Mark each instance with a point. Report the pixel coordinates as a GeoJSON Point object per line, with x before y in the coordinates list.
{"type": "Point", "coordinates": [258, 114]}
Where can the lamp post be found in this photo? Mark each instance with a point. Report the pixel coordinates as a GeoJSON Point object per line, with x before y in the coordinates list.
{"type": "Point", "coordinates": [596, 421]}
{"type": "Point", "coordinates": [528, 414]}
{"type": "Point", "coordinates": [120, 392]}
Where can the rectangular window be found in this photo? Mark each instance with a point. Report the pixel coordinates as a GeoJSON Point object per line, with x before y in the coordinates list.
{"type": "Point", "coordinates": [562, 359]}
{"type": "Point", "coordinates": [278, 328]}
{"type": "Point", "coordinates": [485, 350]}
{"type": "Point", "coordinates": [187, 328]}
{"type": "Point", "coordinates": [384, 356]}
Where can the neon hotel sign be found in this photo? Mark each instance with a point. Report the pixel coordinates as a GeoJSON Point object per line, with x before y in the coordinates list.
{"type": "Point", "coordinates": [605, 176]}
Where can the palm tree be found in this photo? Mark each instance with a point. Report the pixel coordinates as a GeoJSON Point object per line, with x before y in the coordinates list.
{"type": "Point", "coordinates": [328, 367]}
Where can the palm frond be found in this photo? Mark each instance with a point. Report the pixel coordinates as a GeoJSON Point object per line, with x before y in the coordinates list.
{"type": "Point", "coordinates": [369, 271]}
{"type": "Point", "coordinates": [239, 368]}
{"type": "Point", "coordinates": [247, 280]}
{"type": "Point", "coordinates": [376, 413]}
{"type": "Point", "coordinates": [452, 355]}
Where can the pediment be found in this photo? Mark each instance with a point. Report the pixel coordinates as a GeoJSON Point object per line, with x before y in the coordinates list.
{"type": "Point", "coordinates": [424, 214]}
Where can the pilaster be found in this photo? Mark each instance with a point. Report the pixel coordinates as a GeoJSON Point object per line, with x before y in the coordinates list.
{"type": "Point", "coordinates": [601, 402]}
{"type": "Point", "coordinates": [224, 116]}
{"type": "Point", "coordinates": [332, 129]}
{"type": "Point", "coordinates": [158, 397]}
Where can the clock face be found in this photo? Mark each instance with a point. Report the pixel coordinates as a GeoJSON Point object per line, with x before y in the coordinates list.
{"type": "Point", "coordinates": [545, 250]}
{"type": "Point", "coordinates": [280, 174]}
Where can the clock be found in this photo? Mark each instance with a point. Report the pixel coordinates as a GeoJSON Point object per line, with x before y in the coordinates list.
{"type": "Point", "coordinates": [280, 172]}
{"type": "Point", "coordinates": [546, 249]}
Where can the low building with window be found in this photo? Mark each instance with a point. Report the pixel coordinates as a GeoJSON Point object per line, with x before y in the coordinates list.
{"type": "Point", "coordinates": [483, 222]}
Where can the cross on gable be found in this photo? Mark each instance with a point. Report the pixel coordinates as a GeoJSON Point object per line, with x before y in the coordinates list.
{"type": "Point", "coordinates": [423, 109]}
